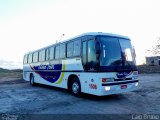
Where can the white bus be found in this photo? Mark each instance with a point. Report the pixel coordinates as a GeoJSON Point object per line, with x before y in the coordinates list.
{"type": "Point", "coordinates": [94, 63]}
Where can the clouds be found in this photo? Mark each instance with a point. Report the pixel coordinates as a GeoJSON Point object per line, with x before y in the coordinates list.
{"type": "Point", "coordinates": [10, 64]}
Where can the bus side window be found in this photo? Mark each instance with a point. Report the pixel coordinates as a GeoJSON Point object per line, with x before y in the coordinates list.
{"type": "Point", "coordinates": [51, 53]}
{"type": "Point", "coordinates": [25, 59]}
{"type": "Point", "coordinates": [30, 58]}
{"type": "Point", "coordinates": [77, 48]}
{"type": "Point", "coordinates": [35, 57]}
{"type": "Point", "coordinates": [57, 52]}
{"type": "Point", "coordinates": [47, 54]}
{"type": "Point", "coordinates": [62, 50]}
{"type": "Point", "coordinates": [42, 55]}
{"type": "Point", "coordinates": [70, 49]}
{"type": "Point", "coordinates": [39, 57]}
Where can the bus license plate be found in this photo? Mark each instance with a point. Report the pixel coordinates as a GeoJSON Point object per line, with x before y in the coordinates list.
{"type": "Point", "coordinates": [123, 86]}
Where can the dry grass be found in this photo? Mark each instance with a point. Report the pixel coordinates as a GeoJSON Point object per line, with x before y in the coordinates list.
{"type": "Point", "coordinates": [10, 73]}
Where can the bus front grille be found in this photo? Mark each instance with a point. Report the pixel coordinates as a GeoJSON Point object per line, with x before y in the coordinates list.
{"type": "Point", "coordinates": [122, 79]}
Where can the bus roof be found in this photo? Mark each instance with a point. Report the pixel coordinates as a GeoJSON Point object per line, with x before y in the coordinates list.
{"type": "Point", "coordinates": [101, 33]}
{"type": "Point", "coordinates": [95, 34]}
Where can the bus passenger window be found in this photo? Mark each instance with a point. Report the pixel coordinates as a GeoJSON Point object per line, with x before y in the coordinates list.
{"type": "Point", "coordinates": [47, 54]}
{"type": "Point", "coordinates": [51, 53]}
{"type": "Point", "coordinates": [25, 59]}
{"type": "Point", "coordinates": [70, 49]}
{"type": "Point", "coordinates": [39, 57]}
{"type": "Point", "coordinates": [62, 51]}
{"type": "Point", "coordinates": [77, 48]}
{"type": "Point", "coordinates": [30, 58]}
{"type": "Point", "coordinates": [57, 52]}
{"type": "Point", "coordinates": [42, 55]}
{"type": "Point", "coordinates": [35, 57]}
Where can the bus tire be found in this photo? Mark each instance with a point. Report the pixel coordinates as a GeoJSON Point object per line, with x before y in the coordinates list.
{"type": "Point", "coordinates": [75, 87]}
{"type": "Point", "coordinates": [32, 80]}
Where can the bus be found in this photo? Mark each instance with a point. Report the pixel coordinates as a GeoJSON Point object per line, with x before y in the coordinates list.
{"type": "Point", "coordinates": [94, 63]}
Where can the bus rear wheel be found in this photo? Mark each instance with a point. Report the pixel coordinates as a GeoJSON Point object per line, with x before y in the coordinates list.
{"type": "Point", "coordinates": [32, 80]}
{"type": "Point", "coordinates": [75, 87]}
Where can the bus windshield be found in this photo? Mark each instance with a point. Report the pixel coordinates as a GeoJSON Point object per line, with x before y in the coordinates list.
{"type": "Point", "coordinates": [116, 54]}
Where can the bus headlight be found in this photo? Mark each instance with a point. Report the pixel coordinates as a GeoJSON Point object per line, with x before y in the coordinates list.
{"type": "Point", "coordinates": [136, 84]}
{"type": "Point", "coordinates": [107, 88]}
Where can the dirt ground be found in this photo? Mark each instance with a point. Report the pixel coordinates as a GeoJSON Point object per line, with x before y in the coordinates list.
{"type": "Point", "coordinates": [18, 97]}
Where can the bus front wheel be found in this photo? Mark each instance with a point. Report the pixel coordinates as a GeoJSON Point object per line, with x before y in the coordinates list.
{"type": "Point", "coordinates": [75, 87]}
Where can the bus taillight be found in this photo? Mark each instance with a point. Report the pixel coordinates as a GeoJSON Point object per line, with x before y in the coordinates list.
{"type": "Point", "coordinates": [104, 79]}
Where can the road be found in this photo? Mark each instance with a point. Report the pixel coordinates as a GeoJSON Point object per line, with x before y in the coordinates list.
{"type": "Point", "coordinates": [18, 97]}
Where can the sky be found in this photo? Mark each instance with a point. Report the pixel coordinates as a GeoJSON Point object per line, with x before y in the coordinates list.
{"type": "Point", "coordinates": [27, 25]}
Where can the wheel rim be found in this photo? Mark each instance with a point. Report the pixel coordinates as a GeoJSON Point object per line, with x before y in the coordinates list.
{"type": "Point", "coordinates": [75, 87]}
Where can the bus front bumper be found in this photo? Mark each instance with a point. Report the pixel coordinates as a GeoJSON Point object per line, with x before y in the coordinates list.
{"type": "Point", "coordinates": [119, 87]}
